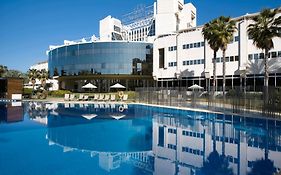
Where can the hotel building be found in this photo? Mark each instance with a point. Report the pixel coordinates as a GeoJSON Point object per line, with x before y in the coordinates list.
{"type": "Point", "coordinates": [160, 43]}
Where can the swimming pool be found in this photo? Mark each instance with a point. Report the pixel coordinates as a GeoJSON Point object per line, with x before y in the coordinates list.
{"type": "Point", "coordinates": [44, 138]}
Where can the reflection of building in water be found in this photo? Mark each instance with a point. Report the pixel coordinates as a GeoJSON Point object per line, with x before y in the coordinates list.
{"type": "Point", "coordinates": [182, 145]}
{"type": "Point", "coordinates": [143, 160]}
{"type": "Point", "coordinates": [10, 113]}
{"type": "Point", "coordinates": [96, 136]}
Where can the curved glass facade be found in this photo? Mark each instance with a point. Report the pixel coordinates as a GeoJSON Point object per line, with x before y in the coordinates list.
{"type": "Point", "coordinates": [98, 58]}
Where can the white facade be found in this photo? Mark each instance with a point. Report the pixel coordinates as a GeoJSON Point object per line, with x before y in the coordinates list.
{"type": "Point", "coordinates": [185, 54]}
{"type": "Point", "coordinates": [174, 15]}
{"type": "Point", "coordinates": [110, 29]}
{"type": "Point", "coordinates": [40, 66]}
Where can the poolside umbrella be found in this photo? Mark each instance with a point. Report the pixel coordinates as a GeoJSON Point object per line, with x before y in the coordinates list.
{"type": "Point", "coordinates": [117, 86]}
{"type": "Point", "coordinates": [195, 87]}
{"type": "Point", "coordinates": [89, 86]}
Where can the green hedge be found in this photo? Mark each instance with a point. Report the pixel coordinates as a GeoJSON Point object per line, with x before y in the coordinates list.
{"type": "Point", "coordinates": [59, 93]}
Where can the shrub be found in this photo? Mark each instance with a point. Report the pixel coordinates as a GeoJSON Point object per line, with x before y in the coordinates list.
{"type": "Point", "coordinates": [59, 93]}
{"type": "Point", "coordinates": [27, 92]}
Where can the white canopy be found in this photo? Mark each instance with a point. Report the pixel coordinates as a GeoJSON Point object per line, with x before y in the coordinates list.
{"type": "Point", "coordinates": [89, 86]}
{"type": "Point", "coordinates": [118, 86]}
{"type": "Point", "coordinates": [195, 86]}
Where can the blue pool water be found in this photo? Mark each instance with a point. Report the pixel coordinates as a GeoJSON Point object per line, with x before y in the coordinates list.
{"type": "Point", "coordinates": [97, 139]}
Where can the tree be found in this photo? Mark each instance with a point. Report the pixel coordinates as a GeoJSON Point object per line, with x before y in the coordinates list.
{"type": "Point", "coordinates": [32, 75]}
{"type": "Point", "coordinates": [226, 29]}
{"type": "Point", "coordinates": [43, 76]}
{"type": "Point", "coordinates": [210, 32]}
{"type": "Point", "coordinates": [3, 69]}
{"type": "Point", "coordinates": [264, 28]}
{"type": "Point", "coordinates": [13, 73]}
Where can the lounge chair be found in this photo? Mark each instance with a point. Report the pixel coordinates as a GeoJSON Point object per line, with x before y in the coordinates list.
{"type": "Point", "coordinates": [81, 97]}
{"type": "Point", "coordinates": [86, 97]}
{"type": "Point", "coordinates": [66, 97]}
{"type": "Point", "coordinates": [112, 97]}
{"type": "Point", "coordinates": [72, 97]}
{"type": "Point", "coordinates": [106, 97]}
{"type": "Point", "coordinates": [96, 97]}
{"type": "Point", "coordinates": [125, 97]}
{"type": "Point", "coordinates": [101, 97]}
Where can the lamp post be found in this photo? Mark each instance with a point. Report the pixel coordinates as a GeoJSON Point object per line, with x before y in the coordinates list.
{"type": "Point", "coordinates": [208, 76]}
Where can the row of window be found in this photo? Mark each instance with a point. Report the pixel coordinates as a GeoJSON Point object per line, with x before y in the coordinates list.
{"type": "Point", "coordinates": [226, 139]}
{"type": "Point", "coordinates": [172, 64]}
{"type": "Point", "coordinates": [261, 55]}
{"type": "Point", "coordinates": [227, 59]}
{"type": "Point", "coordinates": [193, 62]}
{"type": "Point", "coordinates": [192, 151]}
{"type": "Point", "coordinates": [172, 48]}
{"type": "Point", "coordinates": [174, 131]}
{"type": "Point", "coordinates": [192, 134]}
{"type": "Point", "coordinates": [171, 146]}
{"type": "Point", "coordinates": [193, 45]}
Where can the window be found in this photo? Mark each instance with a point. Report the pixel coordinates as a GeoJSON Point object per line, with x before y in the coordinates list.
{"type": "Point", "coordinates": [256, 56]}
{"type": "Point", "coordinates": [279, 53]}
{"type": "Point", "coordinates": [161, 58]}
{"type": "Point", "coordinates": [184, 63]}
{"type": "Point", "coordinates": [231, 58]}
{"type": "Point", "coordinates": [273, 54]}
{"type": "Point", "coordinates": [236, 58]}
{"type": "Point", "coordinates": [187, 62]}
{"type": "Point", "coordinates": [191, 62]}
{"type": "Point", "coordinates": [218, 60]}
{"type": "Point", "coordinates": [198, 61]}
{"type": "Point", "coordinates": [175, 47]}
{"type": "Point", "coordinates": [236, 38]}
{"type": "Point", "coordinates": [161, 136]}
{"type": "Point", "coordinates": [261, 55]}
{"type": "Point", "coordinates": [187, 46]}
{"type": "Point", "coordinates": [184, 46]}
{"type": "Point", "coordinates": [269, 55]}
{"type": "Point", "coordinates": [202, 44]}
{"type": "Point", "coordinates": [226, 59]}
{"type": "Point", "coordinates": [250, 57]}
{"type": "Point", "coordinates": [198, 44]}
{"type": "Point", "coordinates": [191, 45]}
{"type": "Point", "coordinates": [202, 61]}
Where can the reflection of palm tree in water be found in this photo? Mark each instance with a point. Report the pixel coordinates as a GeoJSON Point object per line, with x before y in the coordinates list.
{"type": "Point", "coordinates": [216, 164]}
{"type": "Point", "coordinates": [264, 166]}
{"type": "Point", "coordinates": [37, 110]}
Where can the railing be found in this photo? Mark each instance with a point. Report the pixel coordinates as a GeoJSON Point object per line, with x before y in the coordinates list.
{"type": "Point", "coordinates": [234, 101]}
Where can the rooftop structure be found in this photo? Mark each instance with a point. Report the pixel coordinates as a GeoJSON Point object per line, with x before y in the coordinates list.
{"type": "Point", "coordinates": [144, 23]}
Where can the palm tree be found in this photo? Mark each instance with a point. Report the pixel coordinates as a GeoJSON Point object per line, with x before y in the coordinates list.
{"type": "Point", "coordinates": [43, 75]}
{"type": "Point", "coordinates": [226, 29]}
{"type": "Point", "coordinates": [32, 75]}
{"type": "Point", "coordinates": [265, 27]}
{"type": "Point", "coordinates": [210, 32]}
